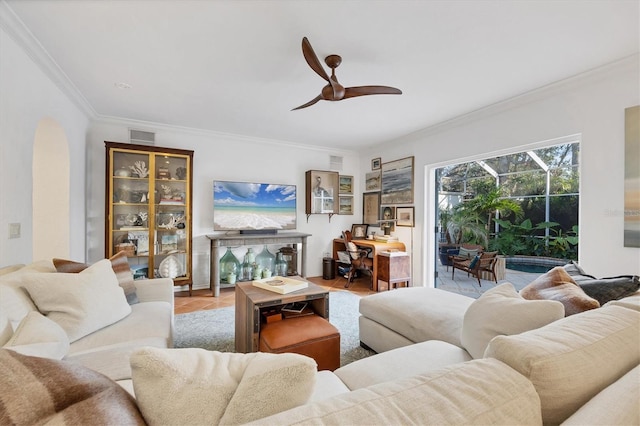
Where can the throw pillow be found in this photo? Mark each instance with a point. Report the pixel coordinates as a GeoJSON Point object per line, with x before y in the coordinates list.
{"type": "Point", "coordinates": [574, 269]}
{"type": "Point", "coordinates": [80, 303]}
{"type": "Point", "coordinates": [39, 336]}
{"type": "Point", "coordinates": [218, 387]}
{"type": "Point", "coordinates": [558, 285]}
{"type": "Point", "coordinates": [120, 266]}
{"type": "Point", "coordinates": [46, 391]}
{"type": "Point", "coordinates": [501, 311]}
{"type": "Point", "coordinates": [468, 253]}
{"type": "Point", "coordinates": [474, 262]}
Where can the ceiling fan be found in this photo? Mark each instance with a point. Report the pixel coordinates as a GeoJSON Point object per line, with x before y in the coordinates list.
{"type": "Point", "coordinates": [334, 91]}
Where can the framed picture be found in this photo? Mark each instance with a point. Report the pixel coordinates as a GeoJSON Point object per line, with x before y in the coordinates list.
{"type": "Point", "coordinates": [345, 205]}
{"type": "Point", "coordinates": [346, 184]}
{"type": "Point", "coordinates": [375, 163]}
{"type": "Point", "coordinates": [397, 182]}
{"type": "Point", "coordinates": [370, 206]}
{"type": "Point", "coordinates": [359, 232]}
{"type": "Point", "coordinates": [372, 181]}
{"type": "Point", "coordinates": [387, 219]}
{"type": "Point", "coordinates": [404, 216]}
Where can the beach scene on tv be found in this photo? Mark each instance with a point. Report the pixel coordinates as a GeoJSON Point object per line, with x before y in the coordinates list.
{"type": "Point", "coordinates": [246, 206]}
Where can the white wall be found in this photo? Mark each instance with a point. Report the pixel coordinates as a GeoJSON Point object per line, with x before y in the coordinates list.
{"type": "Point", "coordinates": [590, 106]}
{"type": "Point", "coordinates": [27, 95]}
{"type": "Point", "coordinates": [225, 157]}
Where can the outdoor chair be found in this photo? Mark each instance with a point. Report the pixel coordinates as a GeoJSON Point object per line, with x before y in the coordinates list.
{"type": "Point", "coordinates": [465, 251]}
{"type": "Point", "coordinates": [360, 260]}
{"type": "Point", "coordinates": [483, 262]}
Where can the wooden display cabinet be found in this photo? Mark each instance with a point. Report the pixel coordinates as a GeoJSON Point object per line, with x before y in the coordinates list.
{"type": "Point", "coordinates": [148, 209]}
{"type": "Point", "coordinates": [322, 189]}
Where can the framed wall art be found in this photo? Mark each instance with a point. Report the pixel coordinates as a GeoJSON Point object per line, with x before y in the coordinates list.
{"type": "Point", "coordinates": [387, 219]}
{"type": "Point", "coordinates": [397, 182]}
{"type": "Point", "coordinates": [404, 216]}
{"type": "Point", "coordinates": [370, 206]}
{"type": "Point", "coordinates": [375, 163]}
{"type": "Point", "coordinates": [346, 184]}
{"type": "Point", "coordinates": [632, 177]}
{"type": "Point", "coordinates": [372, 181]}
{"type": "Point", "coordinates": [345, 205]}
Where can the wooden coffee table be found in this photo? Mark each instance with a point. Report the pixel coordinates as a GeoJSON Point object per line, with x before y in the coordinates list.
{"type": "Point", "coordinates": [251, 300]}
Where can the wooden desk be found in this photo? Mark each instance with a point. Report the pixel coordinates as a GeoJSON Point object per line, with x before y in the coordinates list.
{"type": "Point", "coordinates": [375, 246]}
{"type": "Point", "coordinates": [250, 299]}
{"type": "Point", "coordinates": [237, 240]}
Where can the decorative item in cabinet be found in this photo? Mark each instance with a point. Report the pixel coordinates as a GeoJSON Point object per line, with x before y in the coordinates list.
{"type": "Point", "coordinates": [322, 188]}
{"type": "Point", "coordinates": [148, 209]}
{"type": "Point", "coordinates": [281, 265]}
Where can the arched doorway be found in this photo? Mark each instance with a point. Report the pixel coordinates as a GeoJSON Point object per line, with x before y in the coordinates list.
{"type": "Point", "coordinates": [50, 192]}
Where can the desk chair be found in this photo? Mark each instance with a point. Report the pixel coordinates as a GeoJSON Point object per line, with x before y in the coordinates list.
{"type": "Point", "coordinates": [360, 260]}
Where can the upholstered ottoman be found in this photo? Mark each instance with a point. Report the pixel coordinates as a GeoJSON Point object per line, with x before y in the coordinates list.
{"type": "Point", "coordinates": [309, 335]}
{"type": "Point", "coordinates": [411, 315]}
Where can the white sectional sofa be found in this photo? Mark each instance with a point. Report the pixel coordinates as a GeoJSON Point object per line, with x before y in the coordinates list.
{"type": "Point", "coordinates": [504, 360]}
{"type": "Point", "coordinates": [106, 350]}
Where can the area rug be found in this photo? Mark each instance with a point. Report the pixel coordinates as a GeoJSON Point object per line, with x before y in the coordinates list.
{"type": "Point", "coordinates": [215, 329]}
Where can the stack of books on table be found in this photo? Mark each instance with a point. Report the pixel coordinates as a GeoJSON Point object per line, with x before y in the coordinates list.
{"type": "Point", "coordinates": [282, 285]}
{"type": "Point", "coordinates": [386, 238]}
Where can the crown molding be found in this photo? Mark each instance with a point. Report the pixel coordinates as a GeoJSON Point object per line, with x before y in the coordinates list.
{"type": "Point", "coordinates": [19, 32]}
{"type": "Point", "coordinates": [579, 80]}
{"type": "Point", "coordinates": [155, 127]}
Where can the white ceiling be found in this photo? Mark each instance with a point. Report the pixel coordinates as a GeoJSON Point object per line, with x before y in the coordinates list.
{"type": "Point", "coordinates": [237, 66]}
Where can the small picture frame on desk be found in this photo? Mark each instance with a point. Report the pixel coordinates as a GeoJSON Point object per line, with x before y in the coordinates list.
{"type": "Point", "coordinates": [359, 231]}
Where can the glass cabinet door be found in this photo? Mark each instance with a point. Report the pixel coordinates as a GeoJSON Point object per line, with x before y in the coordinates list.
{"type": "Point", "coordinates": [171, 242]}
{"type": "Point", "coordinates": [130, 209]}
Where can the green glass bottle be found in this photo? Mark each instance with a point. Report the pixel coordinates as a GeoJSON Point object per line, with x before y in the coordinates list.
{"type": "Point", "coordinates": [229, 266]}
{"type": "Point", "coordinates": [266, 260]}
{"type": "Point", "coordinates": [281, 265]}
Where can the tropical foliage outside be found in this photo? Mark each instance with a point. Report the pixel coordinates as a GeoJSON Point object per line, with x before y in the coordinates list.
{"type": "Point", "coordinates": [505, 200]}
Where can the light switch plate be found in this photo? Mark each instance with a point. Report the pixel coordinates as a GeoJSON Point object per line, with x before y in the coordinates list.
{"type": "Point", "coordinates": [14, 230]}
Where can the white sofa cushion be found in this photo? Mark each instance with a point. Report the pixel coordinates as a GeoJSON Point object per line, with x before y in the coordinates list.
{"type": "Point", "coordinates": [502, 311]}
{"type": "Point", "coordinates": [135, 326]}
{"type": "Point", "coordinates": [80, 303]}
{"type": "Point", "coordinates": [39, 336]}
{"type": "Point", "coordinates": [479, 392]}
{"type": "Point", "coordinates": [571, 360]}
{"type": "Point", "coordinates": [401, 362]}
{"type": "Point", "coordinates": [426, 314]}
{"type": "Point", "coordinates": [618, 404]}
{"type": "Point", "coordinates": [195, 386]}
{"type": "Point", "coordinates": [327, 385]}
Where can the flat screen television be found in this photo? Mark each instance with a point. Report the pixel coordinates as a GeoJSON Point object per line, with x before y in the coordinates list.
{"type": "Point", "coordinates": [253, 207]}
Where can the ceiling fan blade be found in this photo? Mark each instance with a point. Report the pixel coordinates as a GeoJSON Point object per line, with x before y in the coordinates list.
{"type": "Point", "coordinates": [311, 102]}
{"type": "Point", "coordinates": [351, 92]}
{"type": "Point", "coordinates": [312, 59]}
{"type": "Point", "coordinates": [315, 64]}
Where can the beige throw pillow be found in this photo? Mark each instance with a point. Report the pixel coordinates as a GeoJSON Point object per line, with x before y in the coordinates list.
{"type": "Point", "coordinates": [558, 285]}
{"type": "Point", "coordinates": [573, 359]}
{"type": "Point", "coordinates": [120, 266]}
{"type": "Point", "coordinates": [217, 387]}
{"type": "Point", "coordinates": [39, 336]}
{"type": "Point", "coordinates": [501, 311]}
{"type": "Point", "coordinates": [80, 303]}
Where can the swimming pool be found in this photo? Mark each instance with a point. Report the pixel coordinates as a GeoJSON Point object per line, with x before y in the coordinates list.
{"type": "Point", "coordinates": [533, 264]}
